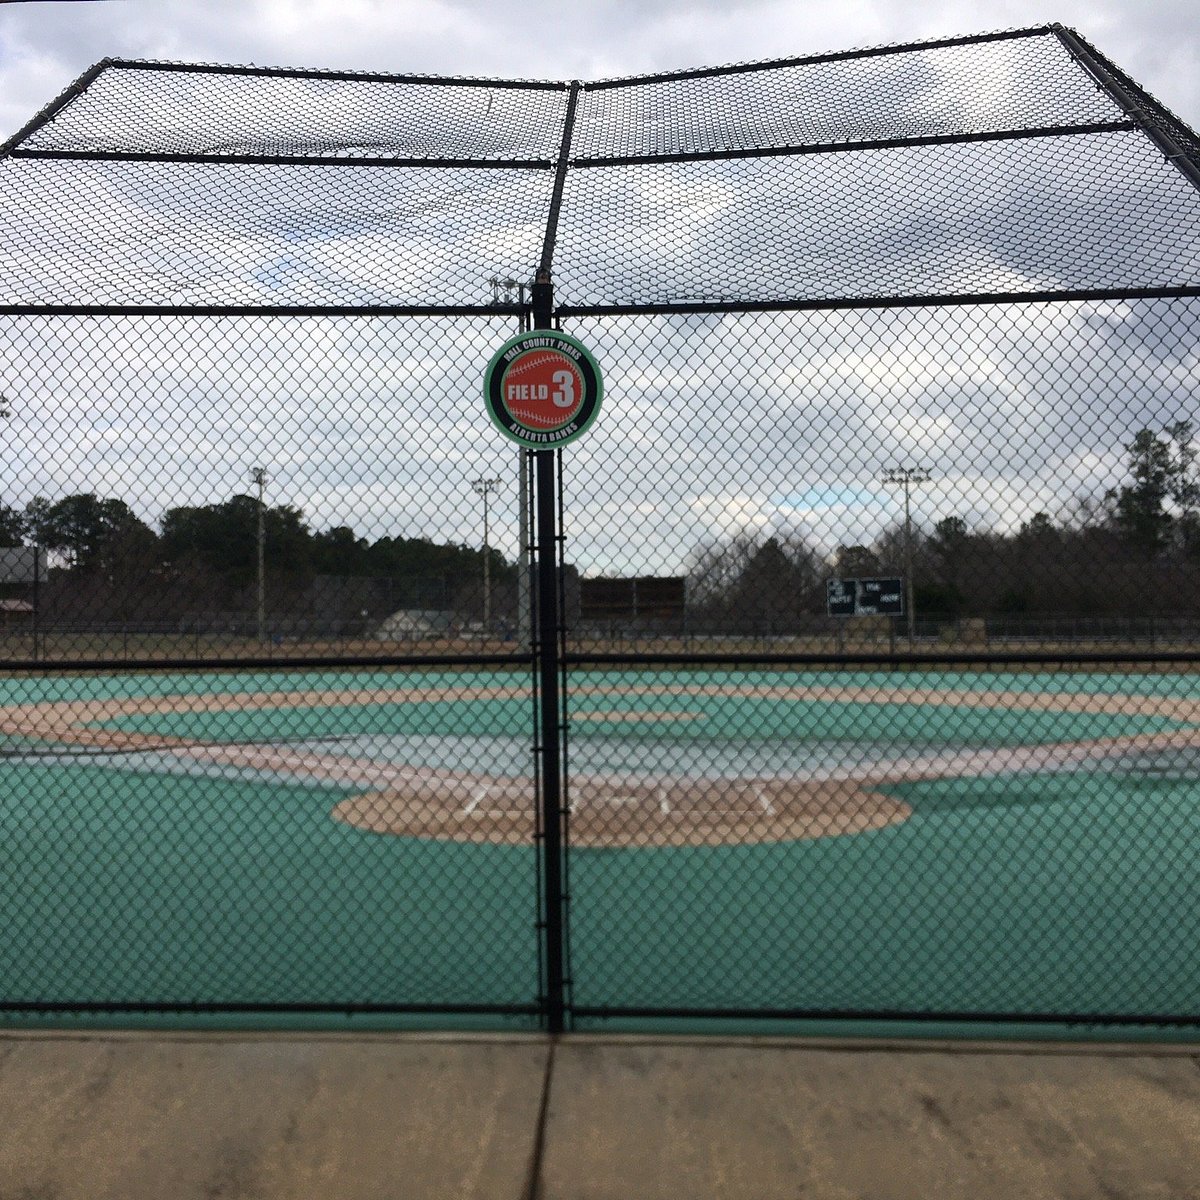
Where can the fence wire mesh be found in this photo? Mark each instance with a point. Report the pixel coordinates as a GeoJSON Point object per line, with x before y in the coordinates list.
{"type": "Point", "coordinates": [878, 632]}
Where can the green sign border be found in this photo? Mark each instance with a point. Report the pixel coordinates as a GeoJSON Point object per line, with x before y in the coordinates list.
{"type": "Point", "coordinates": [542, 339]}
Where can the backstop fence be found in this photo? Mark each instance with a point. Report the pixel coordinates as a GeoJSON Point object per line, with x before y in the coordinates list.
{"type": "Point", "coordinates": [302, 716]}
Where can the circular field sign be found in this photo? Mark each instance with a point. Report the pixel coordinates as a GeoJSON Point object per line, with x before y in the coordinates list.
{"type": "Point", "coordinates": [542, 389]}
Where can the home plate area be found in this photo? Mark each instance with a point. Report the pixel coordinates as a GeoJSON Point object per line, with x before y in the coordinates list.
{"type": "Point", "coordinates": [627, 812]}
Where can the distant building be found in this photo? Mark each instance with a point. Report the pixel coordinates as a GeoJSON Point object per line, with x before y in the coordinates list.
{"type": "Point", "coordinates": [15, 612]}
{"type": "Point", "coordinates": [410, 623]}
{"type": "Point", "coordinates": [645, 599]}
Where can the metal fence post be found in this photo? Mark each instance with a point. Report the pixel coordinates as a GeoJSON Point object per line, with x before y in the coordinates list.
{"type": "Point", "coordinates": [548, 667]}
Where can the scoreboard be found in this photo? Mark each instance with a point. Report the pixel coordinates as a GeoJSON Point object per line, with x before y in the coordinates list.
{"type": "Point", "coordinates": [865, 597]}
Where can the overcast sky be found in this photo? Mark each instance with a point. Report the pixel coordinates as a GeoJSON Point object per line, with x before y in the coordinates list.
{"type": "Point", "coordinates": [43, 46]}
{"type": "Point", "coordinates": [398, 455]}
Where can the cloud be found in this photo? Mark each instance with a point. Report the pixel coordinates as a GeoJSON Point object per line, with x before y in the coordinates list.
{"type": "Point", "coordinates": [44, 46]}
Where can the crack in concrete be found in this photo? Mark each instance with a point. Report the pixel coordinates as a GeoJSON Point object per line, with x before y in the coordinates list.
{"type": "Point", "coordinates": [533, 1188]}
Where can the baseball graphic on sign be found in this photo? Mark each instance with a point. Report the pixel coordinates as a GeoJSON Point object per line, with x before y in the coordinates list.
{"type": "Point", "coordinates": [542, 388]}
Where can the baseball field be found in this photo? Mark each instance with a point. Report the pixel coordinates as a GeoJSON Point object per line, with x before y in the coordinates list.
{"type": "Point", "coordinates": [921, 841]}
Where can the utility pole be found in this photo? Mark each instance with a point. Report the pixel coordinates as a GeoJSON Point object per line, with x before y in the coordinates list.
{"type": "Point", "coordinates": [525, 466]}
{"type": "Point", "coordinates": [484, 488]}
{"type": "Point", "coordinates": [258, 476]}
{"type": "Point", "coordinates": [906, 477]}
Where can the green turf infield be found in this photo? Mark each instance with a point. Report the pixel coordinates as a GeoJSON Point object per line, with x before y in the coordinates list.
{"type": "Point", "coordinates": [1074, 891]}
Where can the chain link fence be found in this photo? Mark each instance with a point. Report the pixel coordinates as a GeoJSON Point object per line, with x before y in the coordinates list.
{"type": "Point", "coordinates": [868, 687]}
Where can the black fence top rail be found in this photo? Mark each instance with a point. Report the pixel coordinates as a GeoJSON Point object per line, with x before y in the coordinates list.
{"type": "Point", "coordinates": [833, 56]}
{"type": "Point", "coordinates": [278, 662]}
{"type": "Point", "coordinates": [902, 1016]}
{"type": "Point", "coordinates": [134, 64]}
{"type": "Point", "coordinates": [917, 660]}
{"type": "Point", "coordinates": [288, 160]}
{"type": "Point", "coordinates": [569, 311]}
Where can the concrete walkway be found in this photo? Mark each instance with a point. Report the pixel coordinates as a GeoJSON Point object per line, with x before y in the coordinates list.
{"type": "Point", "coordinates": [231, 1116]}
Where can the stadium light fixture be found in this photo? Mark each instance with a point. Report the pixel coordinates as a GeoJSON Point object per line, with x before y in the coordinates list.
{"type": "Point", "coordinates": [907, 477]}
{"type": "Point", "coordinates": [484, 488]}
{"type": "Point", "coordinates": [258, 476]}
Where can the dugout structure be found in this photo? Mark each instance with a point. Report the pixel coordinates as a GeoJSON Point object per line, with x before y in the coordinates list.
{"type": "Point", "coordinates": [979, 256]}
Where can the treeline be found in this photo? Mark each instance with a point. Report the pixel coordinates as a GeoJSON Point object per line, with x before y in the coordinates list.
{"type": "Point", "coordinates": [111, 565]}
{"type": "Point", "coordinates": [1132, 552]}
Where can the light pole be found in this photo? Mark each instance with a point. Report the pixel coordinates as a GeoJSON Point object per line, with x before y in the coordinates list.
{"type": "Point", "coordinates": [507, 291]}
{"type": "Point", "coordinates": [258, 476]}
{"type": "Point", "coordinates": [484, 488]}
{"type": "Point", "coordinates": [906, 477]}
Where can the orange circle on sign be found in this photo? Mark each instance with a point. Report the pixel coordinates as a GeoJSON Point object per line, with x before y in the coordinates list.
{"type": "Point", "coordinates": [543, 389]}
